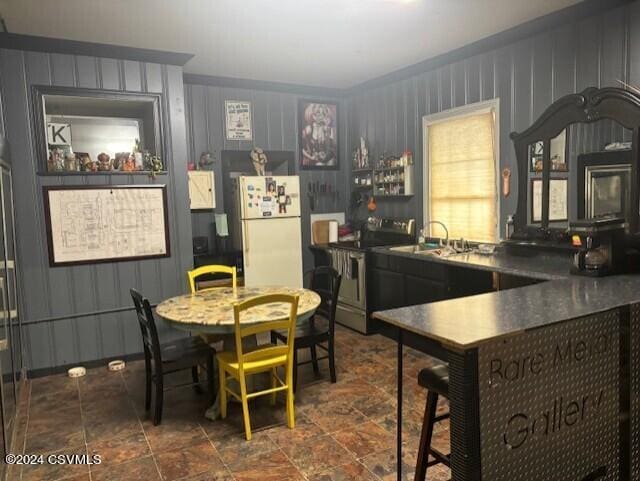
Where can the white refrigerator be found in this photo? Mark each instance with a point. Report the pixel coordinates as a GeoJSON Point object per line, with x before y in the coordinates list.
{"type": "Point", "coordinates": [265, 223]}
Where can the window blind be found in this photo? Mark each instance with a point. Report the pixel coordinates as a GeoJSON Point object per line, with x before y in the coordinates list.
{"type": "Point", "coordinates": [463, 177]}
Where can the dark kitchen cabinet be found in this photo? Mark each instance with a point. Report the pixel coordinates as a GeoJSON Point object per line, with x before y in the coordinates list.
{"type": "Point", "coordinates": [386, 290]}
{"type": "Point", "coordinates": [398, 281]}
{"type": "Point", "coordinates": [419, 290]}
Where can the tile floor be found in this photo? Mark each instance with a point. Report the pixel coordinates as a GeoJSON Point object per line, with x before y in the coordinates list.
{"type": "Point", "coordinates": [344, 431]}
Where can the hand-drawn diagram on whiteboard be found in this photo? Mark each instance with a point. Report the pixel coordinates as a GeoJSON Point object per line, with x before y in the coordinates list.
{"type": "Point", "coordinates": [90, 224]}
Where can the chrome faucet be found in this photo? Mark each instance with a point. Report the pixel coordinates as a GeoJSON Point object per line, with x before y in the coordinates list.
{"type": "Point", "coordinates": [446, 231]}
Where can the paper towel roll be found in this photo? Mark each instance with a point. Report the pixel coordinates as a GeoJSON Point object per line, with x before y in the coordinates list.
{"type": "Point", "coordinates": [333, 231]}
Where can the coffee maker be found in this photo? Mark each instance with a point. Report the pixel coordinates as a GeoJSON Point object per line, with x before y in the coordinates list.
{"type": "Point", "coordinates": [602, 246]}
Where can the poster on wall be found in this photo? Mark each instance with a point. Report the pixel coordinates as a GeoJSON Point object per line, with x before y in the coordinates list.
{"type": "Point", "coordinates": [318, 130]}
{"type": "Point", "coordinates": [238, 120]}
{"type": "Point", "coordinates": [557, 200]}
{"type": "Point", "coordinates": [92, 224]}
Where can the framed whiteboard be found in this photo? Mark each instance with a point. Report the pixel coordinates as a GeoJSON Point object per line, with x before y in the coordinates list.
{"type": "Point", "coordinates": [92, 224]}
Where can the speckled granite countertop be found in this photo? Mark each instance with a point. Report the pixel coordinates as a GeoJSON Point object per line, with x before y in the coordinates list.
{"type": "Point", "coordinates": [539, 265]}
{"type": "Point", "coordinates": [467, 322]}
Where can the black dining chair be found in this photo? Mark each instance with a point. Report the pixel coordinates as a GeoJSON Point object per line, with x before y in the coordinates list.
{"type": "Point", "coordinates": [163, 359]}
{"type": "Point", "coordinates": [325, 281]}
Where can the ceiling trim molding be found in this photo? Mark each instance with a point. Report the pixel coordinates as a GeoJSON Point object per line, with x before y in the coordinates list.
{"type": "Point", "coordinates": [17, 41]}
{"type": "Point", "coordinates": [241, 83]}
{"type": "Point", "coordinates": [525, 30]}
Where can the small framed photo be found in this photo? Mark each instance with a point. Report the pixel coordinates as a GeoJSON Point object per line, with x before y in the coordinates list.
{"type": "Point", "coordinates": [238, 120]}
{"type": "Point", "coordinates": [559, 156]}
{"type": "Point", "coordinates": [318, 132]}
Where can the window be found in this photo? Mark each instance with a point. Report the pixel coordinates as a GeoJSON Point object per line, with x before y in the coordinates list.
{"type": "Point", "coordinates": [461, 183]}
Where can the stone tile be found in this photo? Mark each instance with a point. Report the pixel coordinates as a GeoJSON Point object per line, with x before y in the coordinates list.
{"type": "Point", "coordinates": [189, 461]}
{"type": "Point", "coordinates": [53, 402]}
{"type": "Point", "coordinates": [112, 425]}
{"type": "Point", "coordinates": [334, 416]}
{"type": "Point", "coordinates": [53, 472]}
{"type": "Point", "coordinates": [216, 475]}
{"type": "Point", "coordinates": [273, 466]}
{"type": "Point", "coordinates": [365, 439]}
{"type": "Point", "coordinates": [52, 384]}
{"type": "Point", "coordinates": [318, 455]}
{"type": "Point", "coordinates": [236, 451]}
{"type": "Point", "coordinates": [170, 434]}
{"type": "Point", "coordinates": [53, 432]}
{"type": "Point", "coordinates": [120, 449]}
{"type": "Point", "coordinates": [142, 469]}
{"type": "Point", "coordinates": [353, 471]}
{"type": "Point", "coordinates": [304, 429]}
{"type": "Point", "coordinates": [384, 465]}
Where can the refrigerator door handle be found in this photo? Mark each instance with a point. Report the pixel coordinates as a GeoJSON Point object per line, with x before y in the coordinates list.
{"type": "Point", "coordinates": [246, 242]}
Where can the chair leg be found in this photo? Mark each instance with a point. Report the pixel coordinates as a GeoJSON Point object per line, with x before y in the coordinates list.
{"type": "Point", "coordinates": [291, 421]}
{"type": "Point", "coordinates": [196, 379]}
{"type": "Point", "coordinates": [245, 407]}
{"type": "Point", "coordinates": [332, 362]}
{"type": "Point", "coordinates": [157, 418]}
{"type": "Point", "coordinates": [147, 390]}
{"type": "Point", "coordinates": [314, 360]}
{"type": "Point", "coordinates": [295, 371]}
{"type": "Point", "coordinates": [273, 385]}
{"type": "Point", "coordinates": [211, 381]}
{"type": "Point", "coordinates": [222, 390]}
{"type": "Point", "coordinates": [426, 436]}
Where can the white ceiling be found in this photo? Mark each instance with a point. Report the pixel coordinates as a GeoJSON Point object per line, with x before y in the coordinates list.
{"type": "Point", "coordinates": [330, 43]}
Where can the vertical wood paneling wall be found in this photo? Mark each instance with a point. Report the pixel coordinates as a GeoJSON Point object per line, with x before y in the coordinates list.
{"type": "Point", "coordinates": [274, 116]}
{"type": "Point", "coordinates": [527, 77]}
{"type": "Point", "coordinates": [65, 291]}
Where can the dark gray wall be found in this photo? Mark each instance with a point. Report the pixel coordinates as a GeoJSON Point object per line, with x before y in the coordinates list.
{"type": "Point", "coordinates": [274, 128]}
{"type": "Point", "coordinates": [65, 291]}
{"type": "Point", "coordinates": [527, 77]}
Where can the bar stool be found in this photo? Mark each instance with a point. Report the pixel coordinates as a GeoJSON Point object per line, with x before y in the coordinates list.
{"type": "Point", "coordinates": [436, 381]}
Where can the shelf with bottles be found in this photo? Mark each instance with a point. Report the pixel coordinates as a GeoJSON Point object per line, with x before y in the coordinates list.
{"type": "Point", "coordinates": [393, 176]}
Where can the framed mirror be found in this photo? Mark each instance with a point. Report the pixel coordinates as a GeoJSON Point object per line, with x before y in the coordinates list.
{"type": "Point", "coordinates": [86, 131]}
{"type": "Point", "coordinates": [579, 160]}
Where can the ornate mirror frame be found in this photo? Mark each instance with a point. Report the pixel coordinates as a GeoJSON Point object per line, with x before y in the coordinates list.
{"type": "Point", "coordinates": [591, 105]}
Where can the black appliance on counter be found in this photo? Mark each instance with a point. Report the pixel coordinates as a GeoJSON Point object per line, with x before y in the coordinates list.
{"type": "Point", "coordinates": [602, 246]}
{"type": "Point", "coordinates": [350, 259]}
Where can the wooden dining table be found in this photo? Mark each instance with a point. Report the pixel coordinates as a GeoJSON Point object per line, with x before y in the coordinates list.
{"type": "Point", "coordinates": [210, 312]}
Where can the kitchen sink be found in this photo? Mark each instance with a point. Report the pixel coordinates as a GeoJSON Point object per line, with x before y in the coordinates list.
{"type": "Point", "coordinates": [427, 250]}
{"type": "Point", "coordinates": [415, 249]}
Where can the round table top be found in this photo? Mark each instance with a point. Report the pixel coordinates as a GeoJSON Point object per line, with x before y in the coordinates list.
{"type": "Point", "coordinates": [212, 309]}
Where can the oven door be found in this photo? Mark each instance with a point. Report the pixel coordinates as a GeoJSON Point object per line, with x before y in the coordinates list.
{"type": "Point", "coordinates": [353, 286]}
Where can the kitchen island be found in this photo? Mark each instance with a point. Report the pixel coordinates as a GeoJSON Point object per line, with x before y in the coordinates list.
{"type": "Point", "coordinates": [542, 377]}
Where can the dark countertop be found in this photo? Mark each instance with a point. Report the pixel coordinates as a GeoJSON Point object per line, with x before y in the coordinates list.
{"type": "Point", "coordinates": [544, 266]}
{"type": "Point", "coordinates": [467, 322]}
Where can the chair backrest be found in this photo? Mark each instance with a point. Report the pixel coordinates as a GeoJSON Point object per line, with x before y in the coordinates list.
{"type": "Point", "coordinates": [212, 269]}
{"type": "Point", "coordinates": [148, 329]}
{"type": "Point", "coordinates": [325, 281]}
{"type": "Point", "coordinates": [270, 351]}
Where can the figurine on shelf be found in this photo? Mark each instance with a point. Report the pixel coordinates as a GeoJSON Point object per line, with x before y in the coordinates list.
{"type": "Point", "coordinates": [55, 163]}
{"type": "Point", "coordinates": [129, 165]}
{"type": "Point", "coordinates": [137, 156]}
{"type": "Point", "coordinates": [119, 160]}
{"type": "Point", "coordinates": [259, 159]}
{"type": "Point", "coordinates": [206, 158]}
{"type": "Point", "coordinates": [104, 162]}
{"type": "Point", "coordinates": [152, 163]}
{"type": "Point", "coordinates": [70, 162]}
{"type": "Point", "coordinates": [361, 156]}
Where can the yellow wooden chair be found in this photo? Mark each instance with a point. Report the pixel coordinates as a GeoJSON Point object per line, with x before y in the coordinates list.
{"type": "Point", "coordinates": [238, 365]}
{"type": "Point", "coordinates": [212, 269]}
